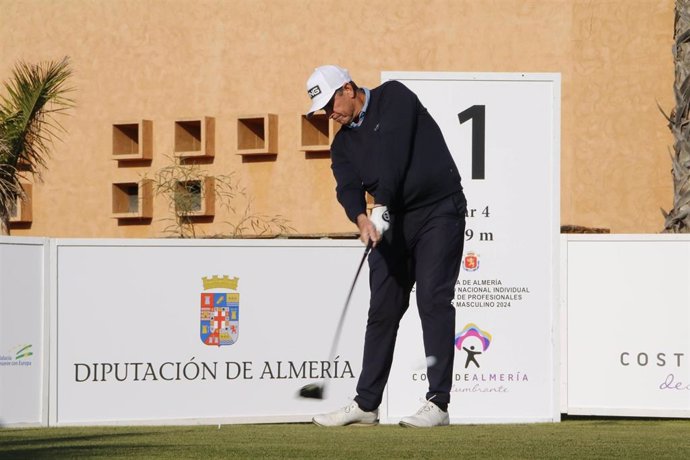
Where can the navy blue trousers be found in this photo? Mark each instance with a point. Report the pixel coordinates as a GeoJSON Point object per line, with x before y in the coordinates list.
{"type": "Point", "coordinates": [423, 246]}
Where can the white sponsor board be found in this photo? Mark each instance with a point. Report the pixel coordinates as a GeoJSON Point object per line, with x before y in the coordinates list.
{"type": "Point", "coordinates": [628, 325]}
{"type": "Point", "coordinates": [22, 346]}
{"type": "Point", "coordinates": [132, 343]}
{"type": "Point", "coordinates": [504, 133]}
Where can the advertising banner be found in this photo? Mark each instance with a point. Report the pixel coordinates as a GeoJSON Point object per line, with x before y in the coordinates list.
{"type": "Point", "coordinates": [628, 325]}
{"type": "Point", "coordinates": [203, 331]}
{"type": "Point", "coordinates": [22, 355]}
{"type": "Point", "coordinates": [504, 133]}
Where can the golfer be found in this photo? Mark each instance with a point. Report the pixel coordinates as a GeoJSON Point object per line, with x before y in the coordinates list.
{"type": "Point", "coordinates": [392, 148]}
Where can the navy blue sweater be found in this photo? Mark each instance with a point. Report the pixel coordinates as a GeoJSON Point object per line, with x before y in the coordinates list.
{"type": "Point", "coordinates": [398, 155]}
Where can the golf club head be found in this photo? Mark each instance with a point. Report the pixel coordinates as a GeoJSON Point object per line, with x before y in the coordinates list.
{"type": "Point", "coordinates": [312, 391]}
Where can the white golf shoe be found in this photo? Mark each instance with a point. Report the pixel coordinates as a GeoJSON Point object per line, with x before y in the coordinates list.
{"type": "Point", "coordinates": [348, 415]}
{"type": "Point", "coordinates": [429, 415]}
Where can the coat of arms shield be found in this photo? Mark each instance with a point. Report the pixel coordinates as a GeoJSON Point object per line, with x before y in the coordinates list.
{"type": "Point", "coordinates": [220, 311]}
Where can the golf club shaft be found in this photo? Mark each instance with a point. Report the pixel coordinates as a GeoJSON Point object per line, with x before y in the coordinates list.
{"type": "Point", "coordinates": [338, 330]}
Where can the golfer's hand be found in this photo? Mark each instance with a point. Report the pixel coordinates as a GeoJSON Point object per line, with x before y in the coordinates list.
{"type": "Point", "coordinates": [380, 218]}
{"type": "Point", "coordinates": [374, 226]}
{"type": "Point", "coordinates": [367, 230]}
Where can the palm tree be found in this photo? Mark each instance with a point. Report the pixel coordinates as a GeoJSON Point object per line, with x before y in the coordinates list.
{"type": "Point", "coordinates": [678, 218]}
{"type": "Point", "coordinates": [35, 94]}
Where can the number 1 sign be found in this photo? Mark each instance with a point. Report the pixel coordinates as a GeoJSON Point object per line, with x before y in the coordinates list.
{"type": "Point", "coordinates": [503, 131]}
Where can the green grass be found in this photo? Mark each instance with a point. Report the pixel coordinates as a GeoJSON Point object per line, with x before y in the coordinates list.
{"type": "Point", "coordinates": [579, 438]}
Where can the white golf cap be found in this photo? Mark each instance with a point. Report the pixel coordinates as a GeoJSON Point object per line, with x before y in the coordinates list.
{"type": "Point", "coordinates": [323, 83]}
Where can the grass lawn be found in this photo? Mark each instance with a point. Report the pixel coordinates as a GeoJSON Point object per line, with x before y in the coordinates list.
{"type": "Point", "coordinates": [575, 438]}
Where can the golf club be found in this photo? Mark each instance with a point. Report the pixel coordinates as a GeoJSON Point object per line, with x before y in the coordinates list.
{"type": "Point", "coordinates": [317, 390]}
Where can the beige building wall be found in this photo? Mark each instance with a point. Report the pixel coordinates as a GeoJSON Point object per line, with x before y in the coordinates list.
{"type": "Point", "coordinates": [170, 60]}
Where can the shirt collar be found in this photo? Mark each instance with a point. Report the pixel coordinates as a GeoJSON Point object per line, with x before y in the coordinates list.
{"type": "Point", "coordinates": [363, 112]}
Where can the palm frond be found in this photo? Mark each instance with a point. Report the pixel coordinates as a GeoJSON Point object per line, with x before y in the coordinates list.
{"type": "Point", "coordinates": [10, 187]}
{"type": "Point", "coordinates": [35, 94]}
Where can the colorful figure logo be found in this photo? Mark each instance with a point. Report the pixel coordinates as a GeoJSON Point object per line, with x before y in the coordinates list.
{"type": "Point", "coordinates": [220, 311]}
{"type": "Point", "coordinates": [471, 330]}
{"type": "Point", "coordinates": [470, 262]}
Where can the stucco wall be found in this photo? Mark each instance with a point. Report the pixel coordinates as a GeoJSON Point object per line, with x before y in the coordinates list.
{"type": "Point", "coordinates": [168, 60]}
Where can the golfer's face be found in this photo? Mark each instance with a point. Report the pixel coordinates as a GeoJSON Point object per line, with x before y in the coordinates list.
{"type": "Point", "coordinates": [340, 108]}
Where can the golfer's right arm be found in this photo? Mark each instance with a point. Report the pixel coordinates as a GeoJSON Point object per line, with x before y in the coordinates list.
{"type": "Point", "coordinates": [350, 194]}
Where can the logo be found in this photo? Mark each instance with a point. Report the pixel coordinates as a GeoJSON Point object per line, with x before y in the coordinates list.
{"type": "Point", "coordinates": [385, 216]}
{"type": "Point", "coordinates": [470, 262]}
{"type": "Point", "coordinates": [20, 355]}
{"type": "Point", "coordinates": [23, 352]}
{"type": "Point", "coordinates": [220, 311]}
{"type": "Point", "coordinates": [469, 339]}
{"type": "Point", "coordinates": [314, 91]}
